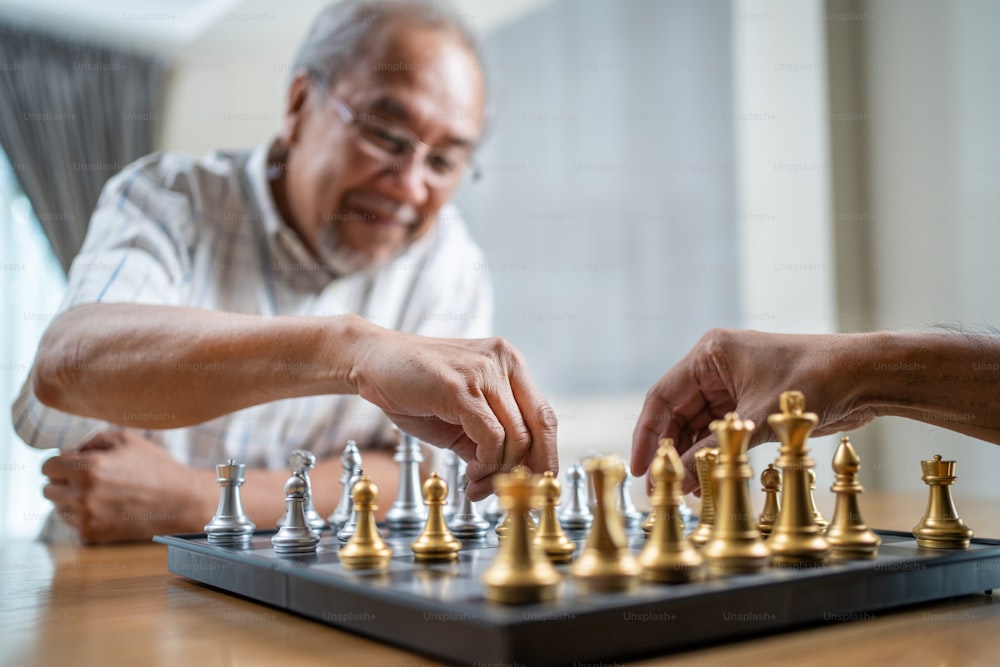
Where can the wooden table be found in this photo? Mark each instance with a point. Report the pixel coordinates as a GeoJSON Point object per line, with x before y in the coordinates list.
{"type": "Point", "coordinates": [118, 605]}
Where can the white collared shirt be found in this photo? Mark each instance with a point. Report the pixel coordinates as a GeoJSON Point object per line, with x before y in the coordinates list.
{"type": "Point", "coordinates": [176, 230]}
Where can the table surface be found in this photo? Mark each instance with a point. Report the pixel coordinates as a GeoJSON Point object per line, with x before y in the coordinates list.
{"type": "Point", "coordinates": [118, 605]}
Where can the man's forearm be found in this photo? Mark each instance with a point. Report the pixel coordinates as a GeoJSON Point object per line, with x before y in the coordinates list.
{"type": "Point", "coordinates": [168, 367]}
{"type": "Point", "coordinates": [948, 380]}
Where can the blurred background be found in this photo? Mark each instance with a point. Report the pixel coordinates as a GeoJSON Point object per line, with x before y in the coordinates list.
{"type": "Point", "coordinates": [655, 168]}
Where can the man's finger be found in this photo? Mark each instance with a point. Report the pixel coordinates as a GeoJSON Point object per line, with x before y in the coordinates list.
{"type": "Point", "coordinates": [483, 427]}
{"type": "Point", "coordinates": [541, 422]}
{"type": "Point", "coordinates": [517, 437]}
{"type": "Point", "coordinates": [690, 483]}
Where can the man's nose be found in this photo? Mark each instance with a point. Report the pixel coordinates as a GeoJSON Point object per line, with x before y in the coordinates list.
{"type": "Point", "coordinates": [408, 177]}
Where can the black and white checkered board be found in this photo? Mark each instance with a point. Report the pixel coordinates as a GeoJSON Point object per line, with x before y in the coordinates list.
{"type": "Point", "coordinates": [439, 610]}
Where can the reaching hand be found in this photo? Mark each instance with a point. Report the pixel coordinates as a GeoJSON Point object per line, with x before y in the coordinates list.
{"type": "Point", "coordinates": [472, 396]}
{"type": "Point", "coordinates": [744, 372]}
{"type": "Point", "coordinates": [120, 486]}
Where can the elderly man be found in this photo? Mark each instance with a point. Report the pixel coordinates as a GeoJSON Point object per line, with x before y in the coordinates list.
{"type": "Point", "coordinates": [243, 304]}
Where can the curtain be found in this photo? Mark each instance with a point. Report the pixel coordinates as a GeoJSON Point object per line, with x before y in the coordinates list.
{"type": "Point", "coordinates": [72, 115]}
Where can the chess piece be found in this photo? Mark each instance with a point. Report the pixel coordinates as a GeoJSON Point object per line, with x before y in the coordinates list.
{"type": "Point", "coordinates": [467, 523]}
{"type": "Point", "coordinates": [408, 512]}
{"type": "Point", "coordinates": [520, 573]}
{"type": "Point", "coordinates": [941, 527]}
{"type": "Point", "coordinates": [301, 461]}
{"type": "Point", "coordinates": [770, 481]}
{"type": "Point", "coordinates": [631, 516]}
{"type": "Point", "coordinates": [849, 537]}
{"type": "Point", "coordinates": [365, 550]}
{"type": "Point", "coordinates": [295, 536]}
{"type": "Point", "coordinates": [504, 524]}
{"type": "Point", "coordinates": [576, 514]}
{"type": "Point", "coordinates": [493, 513]}
{"type": "Point", "coordinates": [350, 461]}
{"type": "Point", "coordinates": [454, 469]}
{"type": "Point", "coordinates": [705, 460]}
{"type": "Point", "coordinates": [435, 542]}
{"type": "Point", "coordinates": [230, 526]}
{"type": "Point", "coordinates": [606, 564]}
{"type": "Point", "coordinates": [667, 556]}
{"type": "Point", "coordinates": [816, 514]}
{"type": "Point", "coordinates": [796, 538]}
{"type": "Point", "coordinates": [550, 536]}
{"type": "Point", "coordinates": [735, 546]}
{"type": "Point", "coordinates": [347, 530]}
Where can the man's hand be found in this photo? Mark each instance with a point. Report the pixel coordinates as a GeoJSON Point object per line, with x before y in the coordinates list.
{"type": "Point", "coordinates": [120, 486]}
{"type": "Point", "coordinates": [745, 372]}
{"type": "Point", "coordinates": [471, 396]}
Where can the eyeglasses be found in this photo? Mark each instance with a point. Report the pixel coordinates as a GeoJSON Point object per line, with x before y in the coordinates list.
{"type": "Point", "coordinates": [393, 143]}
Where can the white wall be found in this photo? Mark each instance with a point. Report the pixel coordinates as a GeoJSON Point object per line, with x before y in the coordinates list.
{"type": "Point", "coordinates": [934, 95]}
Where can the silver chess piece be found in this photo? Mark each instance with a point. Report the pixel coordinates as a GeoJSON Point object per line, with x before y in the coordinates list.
{"type": "Point", "coordinates": [300, 462]}
{"type": "Point", "coordinates": [493, 513]}
{"type": "Point", "coordinates": [630, 513]}
{"type": "Point", "coordinates": [466, 523]}
{"type": "Point", "coordinates": [295, 536]}
{"type": "Point", "coordinates": [453, 472]}
{"type": "Point", "coordinates": [408, 512]}
{"type": "Point", "coordinates": [350, 460]}
{"type": "Point", "coordinates": [230, 526]}
{"type": "Point", "coordinates": [576, 514]}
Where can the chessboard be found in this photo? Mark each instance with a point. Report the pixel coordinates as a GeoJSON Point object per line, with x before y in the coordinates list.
{"type": "Point", "coordinates": [440, 609]}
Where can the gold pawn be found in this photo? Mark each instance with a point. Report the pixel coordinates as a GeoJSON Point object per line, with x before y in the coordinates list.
{"type": "Point", "coordinates": [736, 546]}
{"type": "Point", "coordinates": [941, 527]}
{"type": "Point", "coordinates": [606, 564]}
{"type": "Point", "coordinates": [770, 481]}
{"type": "Point", "coordinates": [520, 573]}
{"type": "Point", "coordinates": [435, 542]}
{"type": "Point", "coordinates": [550, 537]}
{"type": "Point", "coordinates": [365, 550]}
{"type": "Point", "coordinates": [796, 539]}
{"type": "Point", "coordinates": [668, 557]}
{"type": "Point", "coordinates": [504, 524]}
{"type": "Point", "coordinates": [705, 460]}
{"type": "Point", "coordinates": [648, 523]}
{"type": "Point", "coordinates": [849, 537]}
{"type": "Point", "coordinates": [816, 514]}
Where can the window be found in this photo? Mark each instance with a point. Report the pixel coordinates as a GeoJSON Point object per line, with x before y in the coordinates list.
{"type": "Point", "coordinates": [31, 285]}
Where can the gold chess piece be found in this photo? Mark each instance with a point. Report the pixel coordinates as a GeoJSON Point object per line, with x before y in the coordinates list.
{"type": "Point", "coordinates": [816, 514]}
{"type": "Point", "coordinates": [435, 542]}
{"type": "Point", "coordinates": [849, 537]}
{"type": "Point", "coordinates": [649, 522]}
{"type": "Point", "coordinates": [705, 461]}
{"type": "Point", "coordinates": [941, 527]}
{"type": "Point", "coordinates": [504, 524]}
{"type": "Point", "coordinates": [795, 539]}
{"type": "Point", "coordinates": [668, 557]}
{"type": "Point", "coordinates": [736, 546]}
{"type": "Point", "coordinates": [606, 564]}
{"type": "Point", "coordinates": [550, 536]}
{"type": "Point", "coordinates": [520, 573]}
{"type": "Point", "coordinates": [770, 482]}
{"type": "Point", "coordinates": [366, 550]}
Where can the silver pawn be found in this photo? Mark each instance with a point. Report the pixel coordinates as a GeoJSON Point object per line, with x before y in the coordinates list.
{"type": "Point", "coordinates": [453, 477]}
{"type": "Point", "coordinates": [230, 525]}
{"type": "Point", "coordinates": [466, 523]}
{"type": "Point", "coordinates": [350, 459]}
{"type": "Point", "coordinates": [576, 514]}
{"type": "Point", "coordinates": [630, 513]}
{"type": "Point", "coordinates": [493, 512]}
{"type": "Point", "coordinates": [300, 462]}
{"type": "Point", "coordinates": [295, 536]}
{"type": "Point", "coordinates": [408, 512]}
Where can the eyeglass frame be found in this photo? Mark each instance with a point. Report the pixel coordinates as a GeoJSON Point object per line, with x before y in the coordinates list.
{"type": "Point", "coordinates": [399, 131]}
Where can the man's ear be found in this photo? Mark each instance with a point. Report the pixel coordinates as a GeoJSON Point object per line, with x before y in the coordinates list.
{"type": "Point", "coordinates": [295, 107]}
